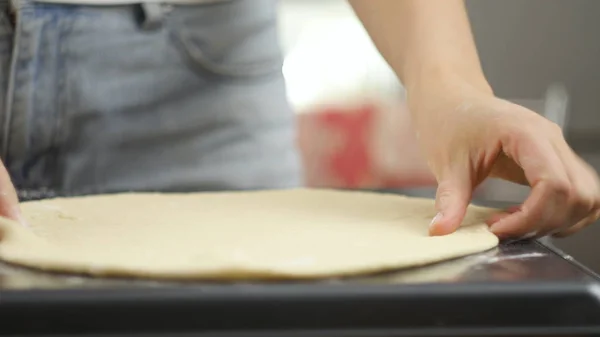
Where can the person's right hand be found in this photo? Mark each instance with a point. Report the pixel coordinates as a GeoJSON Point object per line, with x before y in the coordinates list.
{"type": "Point", "coordinates": [9, 201]}
{"type": "Point", "coordinates": [468, 134]}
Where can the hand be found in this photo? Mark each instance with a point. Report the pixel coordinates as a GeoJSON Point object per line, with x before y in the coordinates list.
{"type": "Point", "coordinates": [467, 134]}
{"type": "Point", "coordinates": [9, 202]}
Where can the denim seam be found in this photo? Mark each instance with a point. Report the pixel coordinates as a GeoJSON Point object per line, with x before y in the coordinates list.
{"type": "Point", "coordinates": [58, 138]}
{"type": "Point", "coordinates": [196, 58]}
{"type": "Point", "coordinates": [11, 86]}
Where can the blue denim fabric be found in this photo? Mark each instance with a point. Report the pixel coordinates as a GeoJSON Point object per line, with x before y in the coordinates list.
{"type": "Point", "coordinates": [97, 102]}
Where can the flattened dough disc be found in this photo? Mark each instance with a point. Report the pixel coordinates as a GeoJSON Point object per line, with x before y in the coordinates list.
{"type": "Point", "coordinates": [299, 233]}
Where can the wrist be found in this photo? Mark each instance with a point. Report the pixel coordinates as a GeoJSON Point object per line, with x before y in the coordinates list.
{"type": "Point", "coordinates": [441, 89]}
{"type": "Point", "coordinates": [424, 78]}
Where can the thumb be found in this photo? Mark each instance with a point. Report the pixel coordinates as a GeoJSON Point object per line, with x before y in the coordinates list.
{"type": "Point", "coordinates": [452, 199]}
{"type": "Point", "coordinates": [9, 202]}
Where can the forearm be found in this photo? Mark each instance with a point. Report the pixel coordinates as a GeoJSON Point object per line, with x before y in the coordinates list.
{"type": "Point", "coordinates": [423, 40]}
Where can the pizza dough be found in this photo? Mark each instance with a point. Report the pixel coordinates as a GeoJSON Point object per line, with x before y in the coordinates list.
{"type": "Point", "coordinates": [300, 233]}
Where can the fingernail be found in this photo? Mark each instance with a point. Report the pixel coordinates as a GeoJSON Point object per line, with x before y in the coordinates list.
{"type": "Point", "coordinates": [435, 219]}
{"type": "Point", "coordinates": [519, 239]}
{"type": "Point", "coordinates": [529, 235]}
{"type": "Point", "coordinates": [22, 221]}
{"type": "Point", "coordinates": [20, 218]}
{"type": "Point", "coordinates": [502, 236]}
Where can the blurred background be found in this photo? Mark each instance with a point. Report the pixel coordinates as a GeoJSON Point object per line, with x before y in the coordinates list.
{"type": "Point", "coordinates": [354, 130]}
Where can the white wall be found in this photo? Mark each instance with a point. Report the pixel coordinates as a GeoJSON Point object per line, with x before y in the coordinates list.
{"type": "Point", "coordinates": [329, 56]}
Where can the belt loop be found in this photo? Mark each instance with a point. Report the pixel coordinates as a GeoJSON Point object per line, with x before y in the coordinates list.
{"type": "Point", "coordinates": [153, 15]}
{"type": "Point", "coordinates": [17, 5]}
{"type": "Point", "coordinates": [9, 10]}
{"type": "Point", "coordinates": [13, 5]}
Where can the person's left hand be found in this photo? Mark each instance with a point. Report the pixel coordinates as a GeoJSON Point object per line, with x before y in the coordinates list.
{"type": "Point", "coordinates": [467, 135]}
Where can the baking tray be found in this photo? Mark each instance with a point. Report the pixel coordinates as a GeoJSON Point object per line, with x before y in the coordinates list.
{"type": "Point", "coordinates": [523, 288]}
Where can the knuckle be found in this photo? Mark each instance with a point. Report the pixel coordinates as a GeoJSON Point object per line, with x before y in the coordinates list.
{"type": "Point", "coordinates": [596, 205]}
{"type": "Point", "coordinates": [553, 224]}
{"type": "Point", "coordinates": [554, 128]}
{"type": "Point", "coordinates": [444, 193]}
{"type": "Point", "coordinates": [561, 188]}
{"type": "Point", "coordinates": [516, 134]}
{"type": "Point", "coordinates": [557, 225]}
{"type": "Point", "coordinates": [588, 203]}
{"type": "Point", "coordinates": [596, 196]}
{"type": "Point", "coordinates": [443, 189]}
{"type": "Point", "coordinates": [584, 200]}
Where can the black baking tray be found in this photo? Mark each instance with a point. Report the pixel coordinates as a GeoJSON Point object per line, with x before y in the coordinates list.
{"type": "Point", "coordinates": [520, 289]}
{"type": "Point", "coordinates": [526, 288]}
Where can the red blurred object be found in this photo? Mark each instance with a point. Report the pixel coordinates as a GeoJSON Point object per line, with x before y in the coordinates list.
{"type": "Point", "coordinates": [356, 147]}
{"type": "Point", "coordinates": [351, 162]}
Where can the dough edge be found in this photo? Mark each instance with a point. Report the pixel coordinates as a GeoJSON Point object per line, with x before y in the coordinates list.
{"type": "Point", "coordinates": [13, 231]}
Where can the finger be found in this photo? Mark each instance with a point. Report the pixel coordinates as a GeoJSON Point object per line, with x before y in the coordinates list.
{"type": "Point", "coordinates": [586, 192]}
{"type": "Point", "coordinates": [506, 168]}
{"type": "Point", "coordinates": [9, 202]}
{"type": "Point", "coordinates": [525, 221]}
{"type": "Point", "coordinates": [452, 199]}
{"type": "Point", "coordinates": [587, 185]}
{"type": "Point", "coordinates": [494, 218]}
{"type": "Point", "coordinates": [544, 207]}
{"type": "Point", "coordinates": [499, 216]}
{"type": "Point", "coordinates": [579, 226]}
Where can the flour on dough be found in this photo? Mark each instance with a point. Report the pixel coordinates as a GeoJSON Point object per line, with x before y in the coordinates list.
{"type": "Point", "coordinates": [301, 233]}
